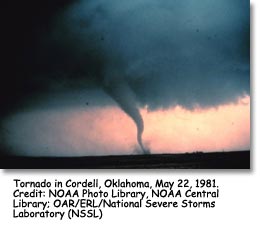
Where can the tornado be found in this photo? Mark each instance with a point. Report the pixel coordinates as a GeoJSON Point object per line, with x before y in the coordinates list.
{"type": "Point", "coordinates": [103, 61]}
{"type": "Point", "coordinates": [123, 95]}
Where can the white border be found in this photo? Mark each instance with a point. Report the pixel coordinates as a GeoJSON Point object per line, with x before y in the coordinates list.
{"type": "Point", "coordinates": [237, 207]}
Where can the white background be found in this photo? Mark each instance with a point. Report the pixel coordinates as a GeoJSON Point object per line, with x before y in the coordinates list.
{"type": "Point", "coordinates": [237, 208]}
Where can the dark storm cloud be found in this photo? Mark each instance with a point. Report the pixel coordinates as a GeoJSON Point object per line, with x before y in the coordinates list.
{"type": "Point", "coordinates": [182, 52]}
{"type": "Point", "coordinates": [169, 52]}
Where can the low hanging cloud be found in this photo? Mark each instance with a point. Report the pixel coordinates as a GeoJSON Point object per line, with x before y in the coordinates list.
{"type": "Point", "coordinates": [188, 53]}
{"type": "Point", "coordinates": [171, 52]}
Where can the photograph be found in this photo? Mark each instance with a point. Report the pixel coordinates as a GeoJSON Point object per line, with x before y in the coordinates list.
{"type": "Point", "coordinates": [140, 84]}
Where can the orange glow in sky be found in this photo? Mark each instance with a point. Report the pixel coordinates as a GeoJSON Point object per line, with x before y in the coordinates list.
{"type": "Point", "coordinates": [108, 130]}
{"type": "Point", "coordinates": [178, 130]}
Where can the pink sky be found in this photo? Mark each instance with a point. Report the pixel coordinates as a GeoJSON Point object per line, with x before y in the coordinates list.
{"type": "Point", "coordinates": [108, 130]}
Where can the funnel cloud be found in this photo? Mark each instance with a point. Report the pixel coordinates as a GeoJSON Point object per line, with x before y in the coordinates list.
{"type": "Point", "coordinates": [123, 95]}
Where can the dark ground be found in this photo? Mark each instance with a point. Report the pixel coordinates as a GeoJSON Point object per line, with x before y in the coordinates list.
{"type": "Point", "coordinates": [216, 160]}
